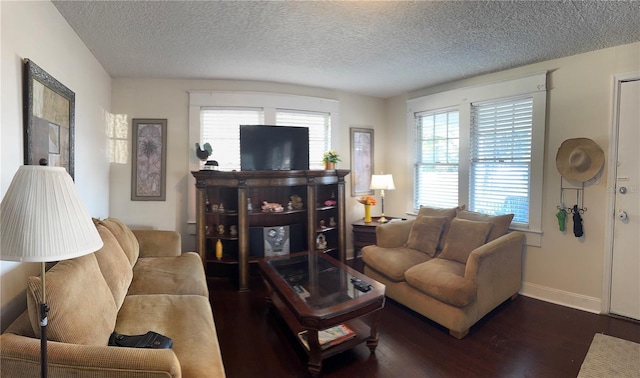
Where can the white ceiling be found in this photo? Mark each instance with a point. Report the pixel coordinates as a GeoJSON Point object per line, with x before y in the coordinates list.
{"type": "Point", "coordinates": [376, 48]}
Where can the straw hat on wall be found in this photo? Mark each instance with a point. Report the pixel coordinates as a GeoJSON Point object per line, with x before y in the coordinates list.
{"type": "Point", "coordinates": [579, 159]}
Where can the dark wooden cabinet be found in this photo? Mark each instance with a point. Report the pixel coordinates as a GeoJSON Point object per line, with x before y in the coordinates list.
{"type": "Point", "coordinates": [223, 213]}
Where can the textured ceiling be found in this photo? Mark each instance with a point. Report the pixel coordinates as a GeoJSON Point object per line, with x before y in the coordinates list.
{"type": "Point", "coordinates": [376, 48]}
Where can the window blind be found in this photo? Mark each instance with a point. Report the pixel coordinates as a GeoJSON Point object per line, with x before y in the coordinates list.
{"type": "Point", "coordinates": [500, 158]}
{"type": "Point", "coordinates": [319, 124]}
{"type": "Point", "coordinates": [220, 127]}
{"type": "Point", "coordinates": [436, 170]}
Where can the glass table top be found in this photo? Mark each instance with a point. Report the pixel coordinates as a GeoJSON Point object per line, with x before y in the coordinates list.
{"type": "Point", "coordinates": [317, 280]}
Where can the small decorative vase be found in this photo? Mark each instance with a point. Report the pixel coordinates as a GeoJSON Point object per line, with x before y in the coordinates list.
{"type": "Point", "coordinates": [367, 214]}
{"type": "Point", "coordinates": [329, 165]}
{"type": "Point", "coordinates": [218, 249]}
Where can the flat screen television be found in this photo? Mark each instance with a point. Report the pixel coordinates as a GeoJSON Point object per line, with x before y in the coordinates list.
{"type": "Point", "coordinates": [274, 148]}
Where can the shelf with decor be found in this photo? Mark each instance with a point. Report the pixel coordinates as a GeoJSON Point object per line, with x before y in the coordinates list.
{"type": "Point", "coordinates": [328, 221]}
{"type": "Point", "coordinates": [262, 199]}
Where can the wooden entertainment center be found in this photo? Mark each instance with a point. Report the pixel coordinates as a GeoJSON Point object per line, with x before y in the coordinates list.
{"type": "Point", "coordinates": [223, 199]}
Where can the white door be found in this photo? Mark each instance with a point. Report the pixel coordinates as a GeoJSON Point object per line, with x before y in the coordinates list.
{"type": "Point", "coordinates": [625, 270]}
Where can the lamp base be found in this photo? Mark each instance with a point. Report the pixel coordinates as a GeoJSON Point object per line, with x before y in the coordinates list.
{"type": "Point", "coordinates": [44, 309]}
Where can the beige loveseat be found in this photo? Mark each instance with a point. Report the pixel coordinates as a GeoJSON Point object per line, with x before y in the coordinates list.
{"type": "Point", "coordinates": [138, 282]}
{"type": "Point", "coordinates": [451, 265]}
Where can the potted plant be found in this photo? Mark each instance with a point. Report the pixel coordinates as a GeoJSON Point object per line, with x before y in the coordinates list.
{"type": "Point", "coordinates": [330, 158]}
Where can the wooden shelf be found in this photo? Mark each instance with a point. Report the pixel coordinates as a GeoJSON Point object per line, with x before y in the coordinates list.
{"type": "Point", "coordinates": [222, 237]}
{"type": "Point", "coordinates": [265, 213]}
{"type": "Point", "coordinates": [235, 189]}
{"type": "Point", "coordinates": [362, 330]}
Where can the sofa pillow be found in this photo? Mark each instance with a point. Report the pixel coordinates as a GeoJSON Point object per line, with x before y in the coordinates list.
{"type": "Point", "coordinates": [464, 236]}
{"type": "Point", "coordinates": [500, 223]}
{"type": "Point", "coordinates": [82, 309]}
{"type": "Point", "coordinates": [437, 212]}
{"type": "Point", "coordinates": [125, 237]}
{"type": "Point", "coordinates": [114, 265]}
{"type": "Point", "coordinates": [425, 234]}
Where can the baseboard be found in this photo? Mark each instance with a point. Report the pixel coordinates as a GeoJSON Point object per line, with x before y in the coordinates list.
{"type": "Point", "coordinates": [561, 297]}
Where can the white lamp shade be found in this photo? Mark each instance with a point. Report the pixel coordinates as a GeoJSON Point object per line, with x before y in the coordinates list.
{"type": "Point", "coordinates": [43, 219]}
{"type": "Point", "coordinates": [382, 182]}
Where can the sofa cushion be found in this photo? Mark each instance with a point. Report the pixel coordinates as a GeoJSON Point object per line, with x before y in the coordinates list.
{"type": "Point", "coordinates": [425, 234]}
{"type": "Point", "coordinates": [437, 212]}
{"type": "Point", "coordinates": [186, 319]}
{"type": "Point", "coordinates": [125, 237]}
{"type": "Point", "coordinates": [392, 262]}
{"type": "Point", "coordinates": [114, 265]}
{"type": "Point", "coordinates": [182, 274]}
{"type": "Point", "coordinates": [82, 308]}
{"type": "Point", "coordinates": [500, 223]}
{"type": "Point", "coordinates": [443, 280]}
{"type": "Point", "coordinates": [464, 236]}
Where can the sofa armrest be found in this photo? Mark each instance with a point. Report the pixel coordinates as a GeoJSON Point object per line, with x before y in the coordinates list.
{"type": "Point", "coordinates": [497, 269]}
{"type": "Point", "coordinates": [393, 234]}
{"type": "Point", "coordinates": [20, 356]}
{"type": "Point", "coordinates": [158, 243]}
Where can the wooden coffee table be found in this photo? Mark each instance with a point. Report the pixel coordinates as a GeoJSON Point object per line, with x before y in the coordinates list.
{"type": "Point", "coordinates": [313, 292]}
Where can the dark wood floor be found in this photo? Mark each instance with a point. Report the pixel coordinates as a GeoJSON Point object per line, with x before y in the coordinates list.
{"type": "Point", "coordinates": [521, 338]}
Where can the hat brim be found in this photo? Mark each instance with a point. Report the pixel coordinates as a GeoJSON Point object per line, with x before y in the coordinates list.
{"type": "Point", "coordinates": [587, 145]}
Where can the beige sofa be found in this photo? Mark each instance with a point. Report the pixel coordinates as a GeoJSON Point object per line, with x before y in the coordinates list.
{"type": "Point", "coordinates": [138, 282]}
{"type": "Point", "coordinates": [451, 265]}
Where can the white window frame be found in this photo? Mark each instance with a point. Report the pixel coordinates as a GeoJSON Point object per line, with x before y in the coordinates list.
{"type": "Point", "coordinates": [532, 85]}
{"type": "Point", "coordinates": [269, 102]}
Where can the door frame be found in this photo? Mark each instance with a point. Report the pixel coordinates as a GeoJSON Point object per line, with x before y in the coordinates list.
{"type": "Point", "coordinates": [611, 187]}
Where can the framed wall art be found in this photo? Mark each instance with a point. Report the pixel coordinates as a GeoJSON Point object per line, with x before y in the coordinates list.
{"type": "Point", "coordinates": [49, 119]}
{"type": "Point", "coordinates": [361, 161]}
{"type": "Point", "coordinates": [149, 160]}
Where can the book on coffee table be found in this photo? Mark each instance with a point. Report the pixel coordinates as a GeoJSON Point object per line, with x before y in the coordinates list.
{"type": "Point", "coordinates": [330, 336]}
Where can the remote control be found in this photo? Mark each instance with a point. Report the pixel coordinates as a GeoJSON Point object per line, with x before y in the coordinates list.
{"type": "Point", "coordinates": [360, 285]}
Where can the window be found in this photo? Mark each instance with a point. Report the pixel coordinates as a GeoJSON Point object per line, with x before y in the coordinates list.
{"type": "Point", "coordinates": [436, 169]}
{"type": "Point", "coordinates": [220, 127]}
{"type": "Point", "coordinates": [319, 124]}
{"type": "Point", "coordinates": [483, 146]}
{"type": "Point", "coordinates": [214, 117]}
{"type": "Point", "coordinates": [500, 162]}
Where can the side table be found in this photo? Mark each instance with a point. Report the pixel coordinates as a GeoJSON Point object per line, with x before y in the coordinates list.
{"type": "Point", "coordinates": [365, 233]}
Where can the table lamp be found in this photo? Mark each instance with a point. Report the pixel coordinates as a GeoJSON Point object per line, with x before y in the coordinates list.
{"type": "Point", "coordinates": [382, 183]}
{"type": "Point", "coordinates": [42, 219]}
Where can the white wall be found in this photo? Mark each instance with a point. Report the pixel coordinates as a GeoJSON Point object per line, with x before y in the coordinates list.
{"type": "Point", "coordinates": [565, 269]}
{"type": "Point", "coordinates": [158, 98]}
{"type": "Point", "coordinates": [37, 31]}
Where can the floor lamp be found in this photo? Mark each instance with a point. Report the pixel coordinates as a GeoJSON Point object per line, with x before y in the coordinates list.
{"type": "Point", "coordinates": [42, 219]}
{"type": "Point", "coordinates": [382, 183]}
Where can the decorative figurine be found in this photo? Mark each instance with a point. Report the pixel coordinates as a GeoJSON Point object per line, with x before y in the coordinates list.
{"type": "Point", "coordinates": [321, 242]}
{"type": "Point", "coordinates": [289, 206]}
{"type": "Point", "coordinates": [221, 207]}
{"type": "Point", "coordinates": [207, 205]}
{"type": "Point", "coordinates": [214, 207]}
{"type": "Point", "coordinates": [233, 230]}
{"type": "Point", "coordinates": [321, 223]}
{"type": "Point", "coordinates": [332, 222]}
{"type": "Point", "coordinates": [249, 205]}
{"type": "Point", "coordinates": [272, 207]}
{"type": "Point", "coordinates": [206, 230]}
{"type": "Point", "coordinates": [221, 229]}
{"type": "Point", "coordinates": [296, 202]}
